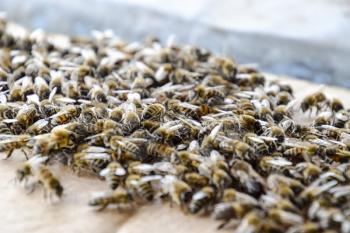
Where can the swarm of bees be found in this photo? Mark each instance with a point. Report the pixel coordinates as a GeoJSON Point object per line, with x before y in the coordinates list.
{"type": "Point", "coordinates": [163, 122]}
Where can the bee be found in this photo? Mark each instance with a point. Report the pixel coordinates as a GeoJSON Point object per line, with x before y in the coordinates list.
{"type": "Point", "coordinates": [65, 115]}
{"type": "Point", "coordinates": [232, 195]}
{"type": "Point", "coordinates": [313, 101]}
{"type": "Point", "coordinates": [283, 98]}
{"type": "Point", "coordinates": [340, 119]}
{"type": "Point", "coordinates": [143, 185]}
{"type": "Point", "coordinates": [284, 186]}
{"type": "Point", "coordinates": [256, 142]}
{"type": "Point", "coordinates": [196, 180]}
{"type": "Point", "coordinates": [63, 138]}
{"type": "Point", "coordinates": [150, 125]}
{"type": "Point", "coordinates": [253, 222]}
{"type": "Point", "coordinates": [183, 108]}
{"type": "Point", "coordinates": [276, 132]}
{"type": "Point", "coordinates": [180, 192]}
{"type": "Point", "coordinates": [201, 199]}
{"type": "Point", "coordinates": [281, 112]}
{"type": "Point", "coordinates": [71, 89]}
{"type": "Point", "coordinates": [56, 81]}
{"type": "Point", "coordinates": [161, 150]}
{"type": "Point", "coordinates": [4, 129]}
{"type": "Point", "coordinates": [114, 174]}
{"type": "Point", "coordinates": [41, 87]}
{"type": "Point", "coordinates": [91, 159]}
{"type": "Point", "coordinates": [220, 178]}
{"type": "Point", "coordinates": [164, 72]}
{"type": "Point", "coordinates": [225, 67]}
{"type": "Point", "coordinates": [116, 114]}
{"type": "Point", "coordinates": [26, 115]}
{"type": "Point", "coordinates": [153, 111]}
{"type": "Point", "coordinates": [11, 143]}
{"type": "Point", "coordinates": [41, 126]}
{"type": "Point", "coordinates": [241, 149]}
{"type": "Point", "coordinates": [8, 112]}
{"type": "Point", "coordinates": [120, 144]}
{"type": "Point", "coordinates": [309, 171]}
{"type": "Point", "coordinates": [97, 94]}
{"type": "Point", "coordinates": [322, 119]}
{"type": "Point", "coordinates": [29, 167]}
{"type": "Point", "coordinates": [87, 115]}
{"type": "Point", "coordinates": [248, 123]}
{"type": "Point", "coordinates": [51, 184]}
{"type": "Point", "coordinates": [228, 210]}
{"type": "Point", "coordinates": [120, 197]}
{"type": "Point", "coordinates": [131, 119]}
{"type": "Point", "coordinates": [271, 164]}
{"type": "Point", "coordinates": [27, 86]}
{"type": "Point", "coordinates": [284, 218]}
{"type": "Point", "coordinates": [336, 105]}
{"type": "Point", "coordinates": [210, 94]}
{"type": "Point", "coordinates": [248, 179]}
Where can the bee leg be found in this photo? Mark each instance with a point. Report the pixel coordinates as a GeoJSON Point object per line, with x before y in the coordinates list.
{"type": "Point", "coordinates": [104, 206]}
{"type": "Point", "coordinates": [9, 154]}
{"type": "Point", "coordinates": [25, 153]}
{"type": "Point", "coordinates": [222, 225]}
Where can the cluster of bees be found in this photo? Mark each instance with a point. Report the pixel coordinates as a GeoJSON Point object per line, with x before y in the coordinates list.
{"type": "Point", "coordinates": [163, 122]}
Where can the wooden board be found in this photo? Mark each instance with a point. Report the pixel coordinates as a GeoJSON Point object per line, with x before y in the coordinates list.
{"type": "Point", "coordinates": [21, 212]}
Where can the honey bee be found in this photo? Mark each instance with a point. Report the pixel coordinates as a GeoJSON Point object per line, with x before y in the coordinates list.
{"type": "Point", "coordinates": [41, 126]}
{"type": "Point", "coordinates": [116, 114]}
{"type": "Point", "coordinates": [284, 186]}
{"type": "Point", "coordinates": [201, 199]}
{"type": "Point", "coordinates": [271, 164]}
{"type": "Point", "coordinates": [164, 72]}
{"type": "Point", "coordinates": [66, 114]}
{"type": "Point", "coordinates": [252, 222]}
{"type": "Point", "coordinates": [232, 195]}
{"type": "Point", "coordinates": [313, 101]}
{"type": "Point", "coordinates": [71, 89]}
{"type": "Point", "coordinates": [284, 218]}
{"type": "Point", "coordinates": [224, 67]}
{"type": "Point", "coordinates": [26, 115]}
{"type": "Point", "coordinates": [113, 173]}
{"type": "Point", "coordinates": [119, 197]}
{"type": "Point", "coordinates": [336, 105]}
{"type": "Point", "coordinates": [196, 180]}
{"type": "Point", "coordinates": [160, 150]}
{"type": "Point", "coordinates": [56, 81]}
{"type": "Point", "coordinates": [51, 184]}
{"type": "Point", "coordinates": [247, 178]}
{"type": "Point", "coordinates": [131, 119]}
{"type": "Point", "coordinates": [179, 191]}
{"type": "Point", "coordinates": [11, 143]}
{"type": "Point", "coordinates": [153, 111]}
{"type": "Point", "coordinates": [28, 168]}
{"type": "Point", "coordinates": [213, 96]}
{"type": "Point", "coordinates": [281, 112]}
{"type": "Point", "coordinates": [220, 178]}
{"type": "Point", "coordinates": [150, 125]}
{"type": "Point", "coordinates": [97, 94]}
{"type": "Point", "coordinates": [276, 132]}
{"type": "Point", "coordinates": [120, 144]}
{"type": "Point", "coordinates": [63, 138]}
{"type": "Point", "coordinates": [27, 86]}
{"type": "Point", "coordinates": [340, 119]}
{"type": "Point", "coordinates": [87, 115]}
{"type": "Point", "coordinates": [41, 88]}
{"type": "Point", "coordinates": [228, 210]}
{"type": "Point", "coordinates": [143, 185]}
{"type": "Point", "coordinates": [91, 159]}
{"type": "Point", "coordinates": [241, 149]}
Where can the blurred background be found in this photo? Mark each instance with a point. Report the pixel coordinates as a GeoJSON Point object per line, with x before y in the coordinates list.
{"type": "Point", "coordinates": [305, 39]}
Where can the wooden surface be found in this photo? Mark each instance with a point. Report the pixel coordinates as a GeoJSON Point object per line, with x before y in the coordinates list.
{"type": "Point", "coordinates": [21, 212]}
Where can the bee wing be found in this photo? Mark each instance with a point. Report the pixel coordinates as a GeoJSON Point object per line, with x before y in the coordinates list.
{"type": "Point", "coordinates": [95, 149]}
{"type": "Point", "coordinates": [215, 131]}
{"type": "Point", "coordinates": [279, 161]}
{"type": "Point", "coordinates": [256, 139]}
{"type": "Point", "coordinates": [188, 105]}
{"type": "Point", "coordinates": [9, 121]}
{"type": "Point", "coordinates": [120, 171]}
{"type": "Point", "coordinates": [65, 100]}
{"type": "Point", "coordinates": [144, 168]}
{"type": "Point", "coordinates": [267, 138]}
{"type": "Point", "coordinates": [34, 98]}
{"type": "Point", "coordinates": [320, 142]}
{"type": "Point", "coordinates": [38, 124]}
{"type": "Point", "coordinates": [152, 178]}
{"type": "Point", "coordinates": [37, 160]}
{"type": "Point", "coordinates": [52, 94]}
{"type": "Point", "coordinates": [104, 172]}
{"type": "Point", "coordinates": [3, 99]}
{"type": "Point", "coordinates": [164, 167]}
{"type": "Point", "coordinates": [91, 156]}
{"type": "Point", "coordinates": [199, 195]}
